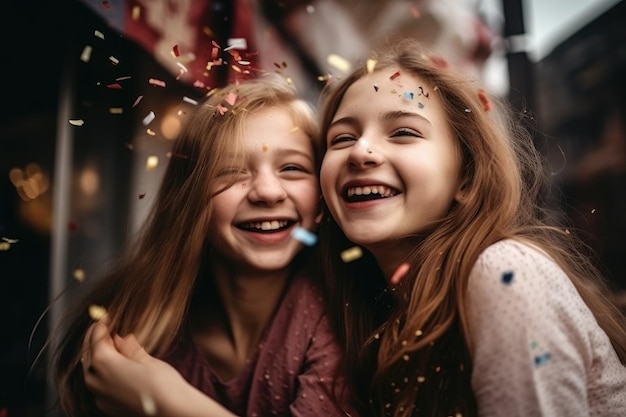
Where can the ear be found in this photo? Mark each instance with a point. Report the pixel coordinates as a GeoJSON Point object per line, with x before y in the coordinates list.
{"type": "Point", "coordinates": [461, 192]}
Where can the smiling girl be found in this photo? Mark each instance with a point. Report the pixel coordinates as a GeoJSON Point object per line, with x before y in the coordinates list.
{"type": "Point", "coordinates": [465, 302]}
{"type": "Point", "coordinates": [219, 307]}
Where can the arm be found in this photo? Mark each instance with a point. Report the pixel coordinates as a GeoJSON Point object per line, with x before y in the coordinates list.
{"type": "Point", "coordinates": [530, 330]}
{"type": "Point", "coordinates": [127, 381]}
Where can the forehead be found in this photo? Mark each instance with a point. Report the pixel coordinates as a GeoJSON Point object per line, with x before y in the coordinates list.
{"type": "Point", "coordinates": [276, 128]}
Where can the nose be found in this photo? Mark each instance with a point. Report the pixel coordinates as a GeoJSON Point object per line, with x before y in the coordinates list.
{"type": "Point", "coordinates": [364, 155]}
{"type": "Point", "coordinates": [266, 188]}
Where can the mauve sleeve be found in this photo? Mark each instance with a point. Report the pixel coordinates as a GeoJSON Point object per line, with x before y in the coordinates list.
{"type": "Point", "coordinates": [316, 381]}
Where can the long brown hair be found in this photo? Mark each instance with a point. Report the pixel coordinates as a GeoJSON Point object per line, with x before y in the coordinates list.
{"type": "Point", "coordinates": [150, 291]}
{"type": "Point", "coordinates": [407, 348]}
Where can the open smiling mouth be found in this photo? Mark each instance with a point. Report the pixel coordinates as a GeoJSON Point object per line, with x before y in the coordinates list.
{"type": "Point", "coordinates": [267, 226]}
{"type": "Point", "coordinates": [368, 192]}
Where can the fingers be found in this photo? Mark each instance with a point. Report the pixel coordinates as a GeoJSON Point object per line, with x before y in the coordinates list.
{"type": "Point", "coordinates": [129, 346]}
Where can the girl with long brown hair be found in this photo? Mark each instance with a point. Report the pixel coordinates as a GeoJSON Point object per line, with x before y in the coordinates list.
{"type": "Point", "coordinates": [467, 300]}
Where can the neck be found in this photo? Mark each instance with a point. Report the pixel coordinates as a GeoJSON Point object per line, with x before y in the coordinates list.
{"type": "Point", "coordinates": [390, 256]}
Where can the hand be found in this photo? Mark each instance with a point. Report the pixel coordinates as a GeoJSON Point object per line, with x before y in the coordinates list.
{"type": "Point", "coordinates": [124, 378]}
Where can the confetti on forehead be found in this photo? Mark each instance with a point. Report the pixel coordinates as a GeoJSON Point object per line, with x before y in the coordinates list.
{"type": "Point", "coordinates": [394, 75]}
{"type": "Point", "coordinates": [371, 65]}
{"type": "Point", "coordinates": [264, 148]}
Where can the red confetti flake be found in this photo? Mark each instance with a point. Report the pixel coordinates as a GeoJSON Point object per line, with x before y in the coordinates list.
{"type": "Point", "coordinates": [142, 195]}
{"type": "Point", "coordinates": [175, 51]}
{"type": "Point", "coordinates": [72, 227]}
{"type": "Point", "coordinates": [114, 86]}
{"type": "Point", "coordinates": [395, 75]}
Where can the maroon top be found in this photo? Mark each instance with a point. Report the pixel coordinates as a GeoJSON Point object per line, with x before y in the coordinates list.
{"type": "Point", "coordinates": [292, 371]}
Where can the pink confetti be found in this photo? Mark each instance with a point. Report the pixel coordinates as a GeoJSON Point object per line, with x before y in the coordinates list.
{"type": "Point", "coordinates": [114, 86]}
{"type": "Point", "coordinates": [221, 109]}
{"type": "Point", "coordinates": [137, 100]}
{"type": "Point", "coordinates": [231, 98]}
{"type": "Point", "coordinates": [400, 272]}
{"type": "Point", "coordinates": [156, 82]}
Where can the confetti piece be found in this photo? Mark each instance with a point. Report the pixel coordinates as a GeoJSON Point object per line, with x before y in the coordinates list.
{"type": "Point", "coordinates": [5, 246]}
{"type": "Point", "coordinates": [394, 75]}
{"type": "Point", "coordinates": [156, 82]}
{"type": "Point", "coordinates": [304, 236]}
{"type": "Point", "coordinates": [351, 254]}
{"type": "Point", "coordinates": [85, 56]}
{"type": "Point", "coordinates": [142, 195]}
{"type": "Point", "coordinates": [420, 105]}
{"type": "Point", "coordinates": [231, 98]}
{"type": "Point", "coordinates": [542, 359]}
{"type": "Point", "coordinates": [150, 132]}
{"type": "Point", "coordinates": [376, 87]}
{"type": "Point", "coordinates": [423, 92]}
{"type": "Point", "coordinates": [114, 86]}
{"type": "Point", "coordinates": [264, 148]}
{"type": "Point", "coordinates": [338, 62]}
{"type": "Point", "coordinates": [137, 100]}
{"type": "Point", "coordinates": [593, 211]}
{"type": "Point", "coordinates": [421, 379]}
{"type": "Point", "coordinates": [507, 278]}
{"type": "Point", "coordinates": [222, 109]}
{"type": "Point", "coordinates": [148, 119]}
{"type": "Point", "coordinates": [77, 122]}
{"type": "Point", "coordinates": [175, 51]}
{"type": "Point", "coordinates": [97, 312]}
{"type": "Point", "coordinates": [9, 240]}
{"type": "Point", "coordinates": [408, 95]}
{"type": "Point", "coordinates": [236, 43]}
{"type": "Point", "coordinates": [399, 273]}
{"type": "Point", "coordinates": [79, 274]}
{"type": "Point", "coordinates": [136, 13]}
{"type": "Point", "coordinates": [114, 60]}
{"type": "Point", "coordinates": [152, 162]}
{"type": "Point", "coordinates": [98, 34]}
{"type": "Point", "coordinates": [468, 110]}
{"type": "Point", "coordinates": [148, 405]}
{"type": "Point", "coordinates": [371, 65]}
{"type": "Point", "coordinates": [189, 100]}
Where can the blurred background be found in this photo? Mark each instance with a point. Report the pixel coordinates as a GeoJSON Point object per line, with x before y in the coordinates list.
{"type": "Point", "coordinates": [96, 91]}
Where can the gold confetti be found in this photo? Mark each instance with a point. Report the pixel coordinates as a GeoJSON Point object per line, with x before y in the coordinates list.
{"type": "Point", "coordinates": [421, 379]}
{"type": "Point", "coordinates": [152, 162]}
{"type": "Point", "coordinates": [97, 312]}
{"type": "Point", "coordinates": [338, 62]}
{"type": "Point", "coordinates": [371, 64]}
{"type": "Point", "coordinates": [351, 254]}
{"type": "Point", "coordinates": [77, 122]}
{"type": "Point", "coordinates": [265, 147]}
{"type": "Point", "coordinates": [150, 132]}
{"type": "Point", "coordinates": [4, 246]}
{"type": "Point", "coordinates": [79, 274]}
{"type": "Point", "coordinates": [85, 56]}
{"type": "Point", "coordinates": [116, 110]}
{"type": "Point", "coordinates": [98, 34]}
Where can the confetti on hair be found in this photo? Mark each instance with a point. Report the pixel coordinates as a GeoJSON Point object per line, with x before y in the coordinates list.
{"type": "Point", "coordinates": [371, 65]}
{"type": "Point", "coordinates": [507, 277]}
{"type": "Point", "coordinates": [77, 122]}
{"type": "Point", "coordinates": [399, 273]}
{"type": "Point", "coordinates": [409, 95]}
{"type": "Point", "coordinates": [189, 100]}
{"type": "Point", "coordinates": [338, 62]}
{"type": "Point", "coordinates": [222, 109]}
{"type": "Point", "coordinates": [154, 81]}
{"type": "Point", "coordinates": [114, 60]}
{"type": "Point", "coordinates": [231, 98]}
{"type": "Point", "coordinates": [484, 100]}
{"type": "Point", "coordinates": [351, 254]}
{"type": "Point", "coordinates": [148, 119]}
{"type": "Point", "coordinates": [304, 236]}
{"type": "Point", "coordinates": [468, 110]}
{"type": "Point", "coordinates": [116, 110]}
{"type": "Point", "coordinates": [147, 404]}
{"type": "Point", "coordinates": [152, 162]}
{"type": "Point", "coordinates": [85, 56]}
{"type": "Point", "coordinates": [394, 75]}
{"type": "Point", "coordinates": [79, 274]}
{"type": "Point", "coordinates": [542, 359]}
{"type": "Point", "coordinates": [97, 312]}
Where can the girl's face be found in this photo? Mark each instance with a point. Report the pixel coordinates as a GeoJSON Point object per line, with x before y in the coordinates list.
{"type": "Point", "coordinates": [277, 190]}
{"type": "Point", "coordinates": [392, 167]}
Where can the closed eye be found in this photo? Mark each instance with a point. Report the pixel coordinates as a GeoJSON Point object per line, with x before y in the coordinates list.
{"type": "Point", "coordinates": [406, 132]}
{"type": "Point", "coordinates": [342, 140]}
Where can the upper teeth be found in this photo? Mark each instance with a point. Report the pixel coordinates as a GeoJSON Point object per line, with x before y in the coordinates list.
{"type": "Point", "coordinates": [371, 189]}
{"type": "Point", "coordinates": [266, 225]}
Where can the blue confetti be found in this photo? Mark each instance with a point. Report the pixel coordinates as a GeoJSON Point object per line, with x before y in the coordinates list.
{"type": "Point", "coordinates": [304, 236]}
{"type": "Point", "coordinates": [408, 95]}
{"type": "Point", "coordinates": [507, 277]}
{"type": "Point", "coordinates": [542, 359]}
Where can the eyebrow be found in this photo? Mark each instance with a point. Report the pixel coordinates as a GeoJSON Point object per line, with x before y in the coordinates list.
{"type": "Point", "coordinates": [293, 151]}
{"type": "Point", "coordinates": [389, 115]}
